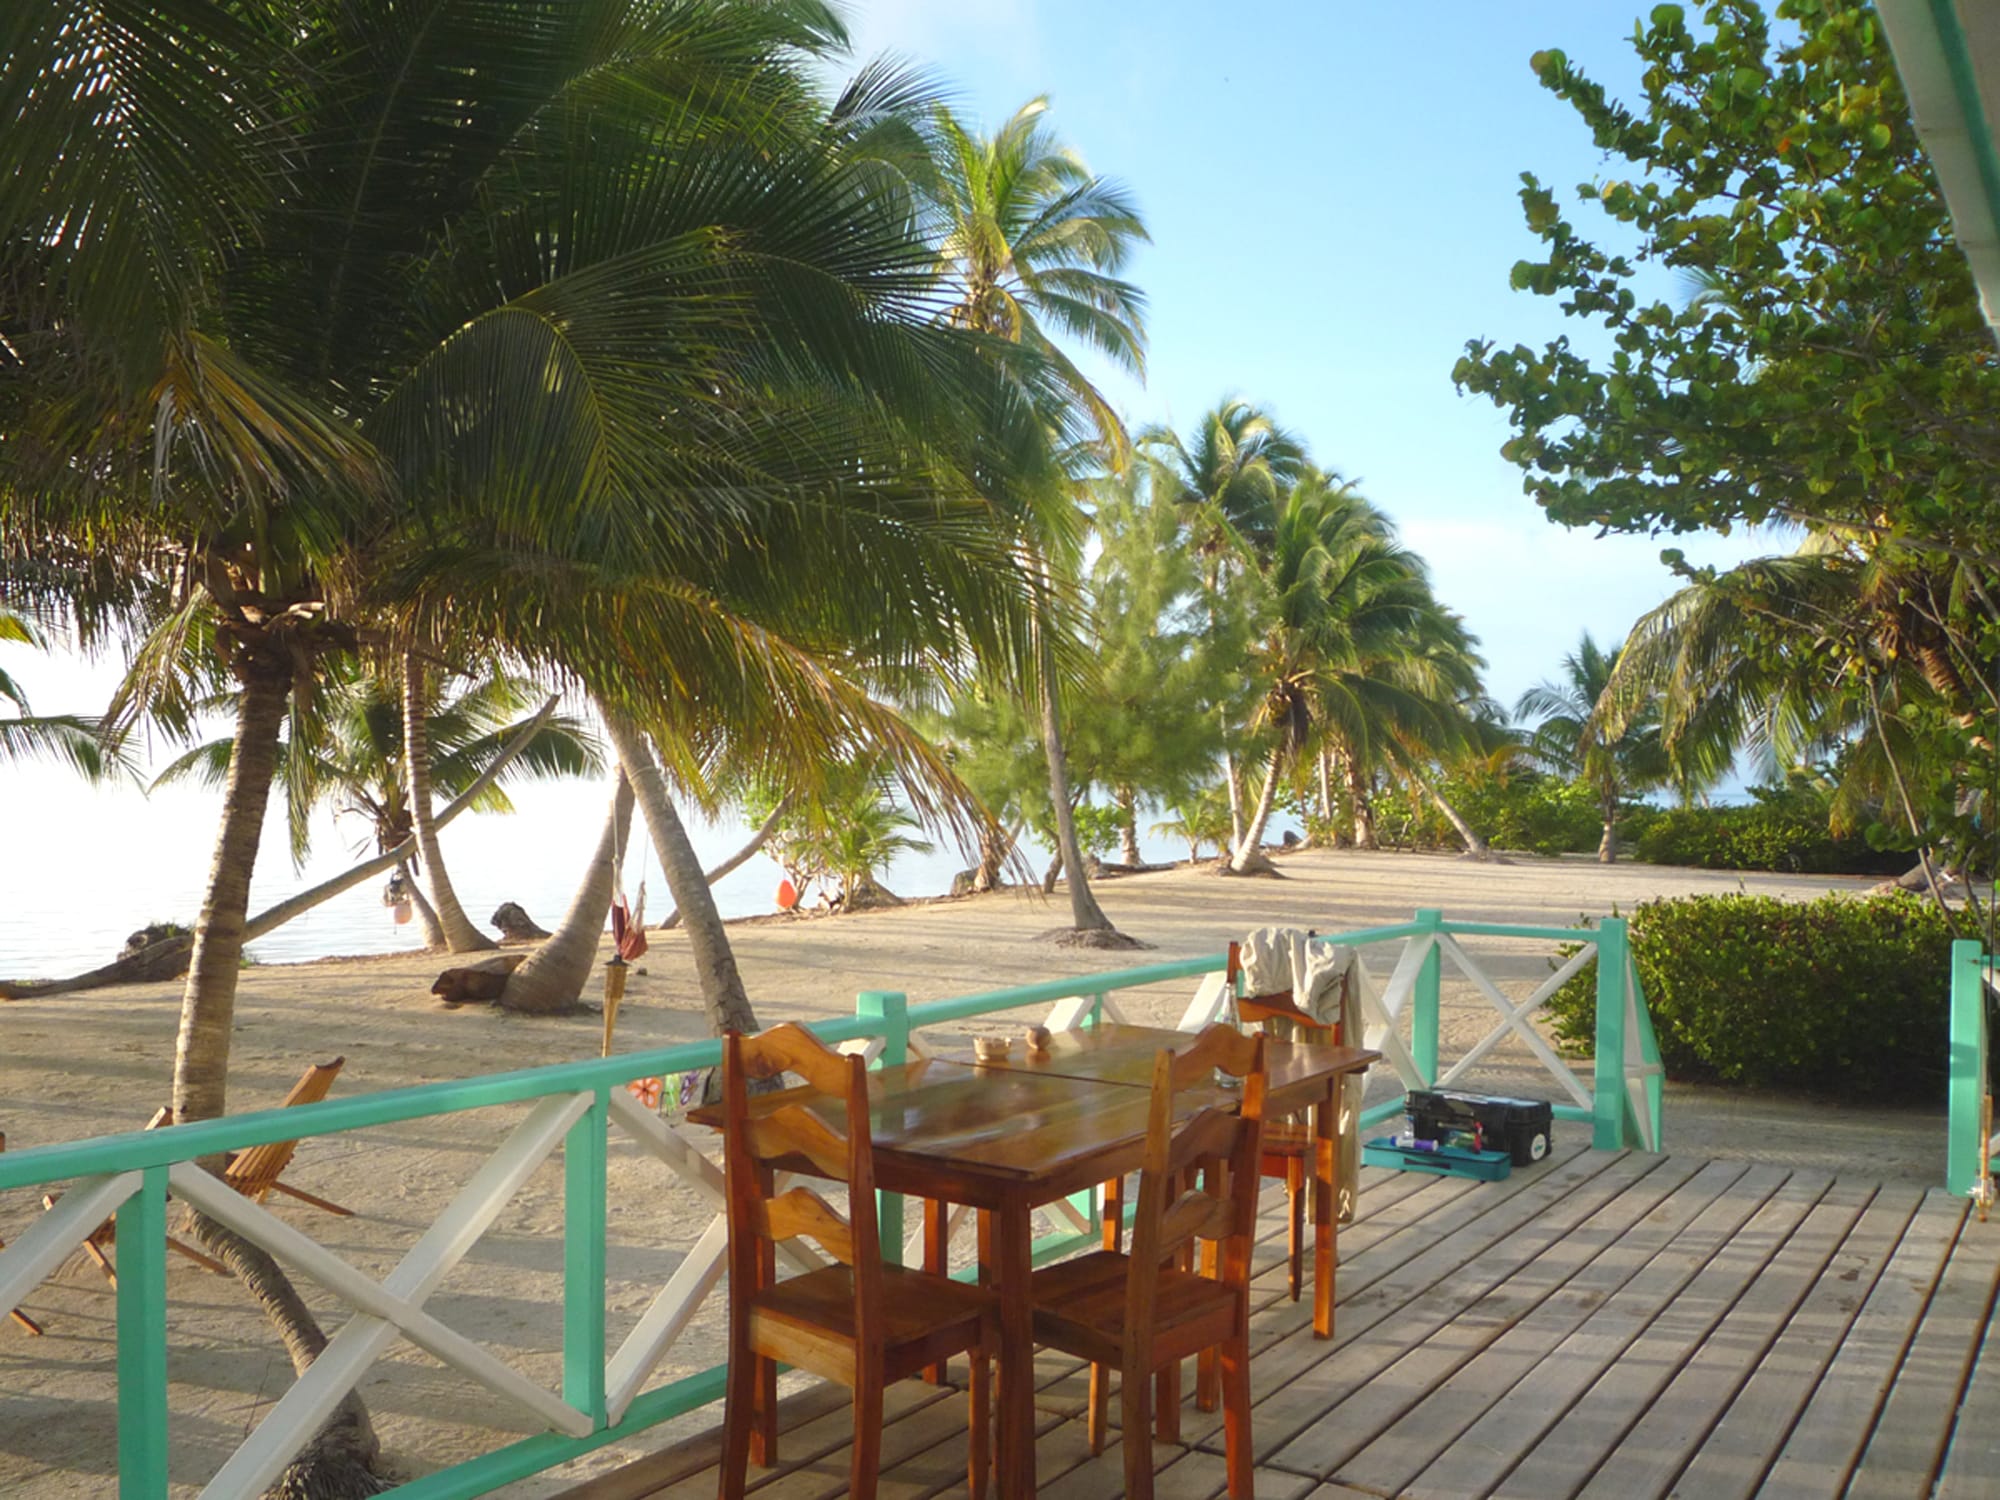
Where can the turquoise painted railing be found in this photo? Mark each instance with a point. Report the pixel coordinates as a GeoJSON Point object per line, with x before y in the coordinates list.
{"type": "Point", "coordinates": [573, 1106]}
{"type": "Point", "coordinates": [1967, 1121]}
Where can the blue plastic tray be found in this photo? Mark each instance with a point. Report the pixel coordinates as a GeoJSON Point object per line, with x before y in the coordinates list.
{"type": "Point", "coordinates": [1446, 1161]}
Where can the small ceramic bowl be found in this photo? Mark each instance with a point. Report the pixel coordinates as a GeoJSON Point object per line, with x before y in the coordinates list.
{"type": "Point", "coordinates": [990, 1048]}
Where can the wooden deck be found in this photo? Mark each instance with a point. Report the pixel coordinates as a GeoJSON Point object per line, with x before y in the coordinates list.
{"type": "Point", "coordinates": [1604, 1325]}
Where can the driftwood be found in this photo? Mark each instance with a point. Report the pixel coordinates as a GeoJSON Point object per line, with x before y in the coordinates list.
{"type": "Point", "coordinates": [515, 925]}
{"type": "Point", "coordinates": [476, 984]}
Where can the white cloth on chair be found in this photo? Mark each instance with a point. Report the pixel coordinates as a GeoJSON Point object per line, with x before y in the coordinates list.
{"type": "Point", "coordinates": [1276, 959]}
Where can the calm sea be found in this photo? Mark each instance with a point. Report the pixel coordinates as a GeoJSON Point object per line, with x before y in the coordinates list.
{"type": "Point", "coordinates": [81, 867]}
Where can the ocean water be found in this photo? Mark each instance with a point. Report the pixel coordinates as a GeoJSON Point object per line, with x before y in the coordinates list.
{"type": "Point", "coordinates": [81, 867]}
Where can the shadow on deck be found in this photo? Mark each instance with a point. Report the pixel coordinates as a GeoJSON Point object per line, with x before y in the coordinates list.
{"type": "Point", "coordinates": [1606, 1325]}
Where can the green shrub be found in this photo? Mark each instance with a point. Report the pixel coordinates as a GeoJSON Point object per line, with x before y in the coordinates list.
{"type": "Point", "coordinates": [1833, 996]}
{"type": "Point", "coordinates": [1759, 836]}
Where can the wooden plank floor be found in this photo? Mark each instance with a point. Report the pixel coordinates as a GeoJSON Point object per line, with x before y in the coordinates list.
{"type": "Point", "coordinates": [1603, 1325]}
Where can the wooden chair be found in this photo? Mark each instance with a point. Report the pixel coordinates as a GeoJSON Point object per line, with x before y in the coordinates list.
{"type": "Point", "coordinates": [1147, 1311]}
{"type": "Point", "coordinates": [254, 1172]}
{"type": "Point", "coordinates": [15, 1313]}
{"type": "Point", "coordinates": [860, 1321]}
{"type": "Point", "coordinates": [1288, 1142]}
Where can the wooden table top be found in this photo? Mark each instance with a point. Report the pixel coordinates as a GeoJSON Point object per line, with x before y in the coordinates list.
{"type": "Point", "coordinates": [1046, 1123]}
{"type": "Point", "coordinates": [1117, 1052]}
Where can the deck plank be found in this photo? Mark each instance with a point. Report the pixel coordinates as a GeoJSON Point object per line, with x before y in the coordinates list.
{"type": "Point", "coordinates": [1608, 1324]}
{"type": "Point", "coordinates": [1637, 1342]}
{"type": "Point", "coordinates": [1512, 1426]}
{"type": "Point", "coordinates": [1821, 1450]}
{"type": "Point", "coordinates": [1907, 1447]}
{"type": "Point", "coordinates": [1658, 1446]}
{"type": "Point", "coordinates": [1733, 1459]}
{"type": "Point", "coordinates": [1305, 1377]}
{"type": "Point", "coordinates": [1398, 1425]}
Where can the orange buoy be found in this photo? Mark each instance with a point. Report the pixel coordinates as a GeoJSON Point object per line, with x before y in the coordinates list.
{"type": "Point", "coordinates": [788, 895]}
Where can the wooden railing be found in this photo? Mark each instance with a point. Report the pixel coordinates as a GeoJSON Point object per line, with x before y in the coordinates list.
{"type": "Point", "coordinates": [604, 1394]}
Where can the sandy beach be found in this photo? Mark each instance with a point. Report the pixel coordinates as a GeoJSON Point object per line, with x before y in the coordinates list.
{"type": "Point", "coordinates": [94, 1063]}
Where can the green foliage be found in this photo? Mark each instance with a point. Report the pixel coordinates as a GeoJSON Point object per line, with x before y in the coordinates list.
{"type": "Point", "coordinates": [1529, 812]}
{"type": "Point", "coordinates": [843, 837]}
{"type": "Point", "coordinates": [1832, 996]}
{"type": "Point", "coordinates": [1096, 829]}
{"type": "Point", "coordinates": [1832, 362]}
{"type": "Point", "coordinates": [1761, 836]}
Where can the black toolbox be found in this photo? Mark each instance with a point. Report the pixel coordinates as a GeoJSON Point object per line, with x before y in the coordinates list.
{"type": "Point", "coordinates": [1519, 1127]}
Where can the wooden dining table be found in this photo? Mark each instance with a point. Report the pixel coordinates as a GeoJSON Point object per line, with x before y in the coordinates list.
{"type": "Point", "coordinates": [1008, 1137]}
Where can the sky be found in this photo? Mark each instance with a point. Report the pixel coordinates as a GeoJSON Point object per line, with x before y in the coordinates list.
{"type": "Point", "coordinates": [1331, 191]}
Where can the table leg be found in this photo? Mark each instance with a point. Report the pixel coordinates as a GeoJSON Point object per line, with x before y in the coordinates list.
{"type": "Point", "coordinates": [937, 1259]}
{"type": "Point", "coordinates": [1326, 1114]}
{"type": "Point", "coordinates": [1009, 1243]}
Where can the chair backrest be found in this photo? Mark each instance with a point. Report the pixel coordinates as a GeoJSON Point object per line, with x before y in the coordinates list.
{"type": "Point", "coordinates": [1279, 1013]}
{"type": "Point", "coordinates": [797, 1137]}
{"type": "Point", "coordinates": [1200, 1180]}
{"type": "Point", "coordinates": [254, 1170]}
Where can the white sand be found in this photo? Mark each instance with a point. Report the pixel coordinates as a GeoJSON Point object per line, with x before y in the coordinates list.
{"type": "Point", "coordinates": [95, 1063]}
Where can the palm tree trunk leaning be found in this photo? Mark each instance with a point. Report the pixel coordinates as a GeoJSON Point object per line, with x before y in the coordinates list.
{"type": "Point", "coordinates": [1475, 846]}
{"type": "Point", "coordinates": [460, 935]}
{"type": "Point", "coordinates": [554, 976]}
{"type": "Point", "coordinates": [1086, 916]}
{"type": "Point", "coordinates": [1248, 857]}
{"type": "Point", "coordinates": [340, 1459]}
{"type": "Point", "coordinates": [757, 841]}
{"type": "Point", "coordinates": [715, 964]}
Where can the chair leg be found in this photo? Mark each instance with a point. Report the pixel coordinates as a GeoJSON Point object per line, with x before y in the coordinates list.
{"type": "Point", "coordinates": [1099, 1416]}
{"type": "Point", "coordinates": [91, 1248]}
{"type": "Point", "coordinates": [1134, 1389]}
{"type": "Point", "coordinates": [305, 1197]}
{"type": "Point", "coordinates": [1295, 1204]}
{"type": "Point", "coordinates": [1236, 1416]}
{"type": "Point", "coordinates": [25, 1321]}
{"type": "Point", "coordinates": [1167, 1402]}
{"type": "Point", "coordinates": [738, 1416]}
{"type": "Point", "coordinates": [1207, 1384]}
{"type": "Point", "coordinates": [866, 1466]}
{"type": "Point", "coordinates": [764, 1409]}
{"type": "Point", "coordinates": [979, 1415]}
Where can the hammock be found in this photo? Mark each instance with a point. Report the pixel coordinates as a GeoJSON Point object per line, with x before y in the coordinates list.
{"type": "Point", "coordinates": [628, 925]}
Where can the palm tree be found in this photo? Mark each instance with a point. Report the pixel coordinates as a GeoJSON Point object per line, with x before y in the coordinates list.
{"type": "Point", "coordinates": [1845, 647]}
{"type": "Point", "coordinates": [343, 314]}
{"type": "Point", "coordinates": [1031, 246]}
{"type": "Point", "coordinates": [1577, 734]}
{"type": "Point", "coordinates": [1343, 603]}
{"type": "Point", "coordinates": [1230, 479]}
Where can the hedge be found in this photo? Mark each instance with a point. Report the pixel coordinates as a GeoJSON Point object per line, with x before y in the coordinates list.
{"type": "Point", "coordinates": [1831, 996]}
{"type": "Point", "coordinates": [1759, 836]}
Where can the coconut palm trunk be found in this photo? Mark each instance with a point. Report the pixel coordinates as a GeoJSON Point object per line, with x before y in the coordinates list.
{"type": "Point", "coordinates": [1128, 825]}
{"type": "Point", "coordinates": [1607, 846]}
{"type": "Point", "coordinates": [1084, 912]}
{"type": "Point", "coordinates": [460, 935]}
{"type": "Point", "coordinates": [757, 841]}
{"type": "Point", "coordinates": [208, 1001]}
{"type": "Point", "coordinates": [1475, 846]}
{"type": "Point", "coordinates": [1249, 854]}
{"type": "Point", "coordinates": [1364, 810]}
{"type": "Point", "coordinates": [426, 916]}
{"type": "Point", "coordinates": [995, 843]}
{"type": "Point", "coordinates": [556, 973]}
{"type": "Point", "coordinates": [715, 964]}
{"type": "Point", "coordinates": [339, 1461]}
{"type": "Point", "coordinates": [1326, 808]}
{"type": "Point", "coordinates": [1233, 780]}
